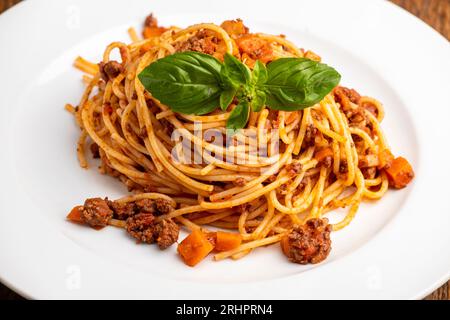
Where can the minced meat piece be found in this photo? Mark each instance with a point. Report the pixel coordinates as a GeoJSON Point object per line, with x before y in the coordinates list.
{"type": "Point", "coordinates": [310, 135]}
{"type": "Point", "coordinates": [110, 69]}
{"type": "Point", "coordinates": [157, 206]}
{"type": "Point", "coordinates": [142, 227]}
{"type": "Point", "coordinates": [163, 206]}
{"type": "Point", "coordinates": [166, 233]}
{"type": "Point", "coordinates": [146, 205]}
{"type": "Point", "coordinates": [96, 212]}
{"type": "Point", "coordinates": [204, 41]}
{"type": "Point", "coordinates": [308, 243]}
{"type": "Point", "coordinates": [122, 210]}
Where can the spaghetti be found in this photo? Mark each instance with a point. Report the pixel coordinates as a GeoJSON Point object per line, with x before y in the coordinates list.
{"type": "Point", "coordinates": [332, 155]}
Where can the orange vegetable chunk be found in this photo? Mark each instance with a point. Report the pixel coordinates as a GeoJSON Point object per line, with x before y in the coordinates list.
{"type": "Point", "coordinates": [227, 241]}
{"type": "Point", "coordinates": [400, 173]}
{"type": "Point", "coordinates": [75, 215]}
{"type": "Point", "coordinates": [151, 32]}
{"type": "Point", "coordinates": [194, 248]}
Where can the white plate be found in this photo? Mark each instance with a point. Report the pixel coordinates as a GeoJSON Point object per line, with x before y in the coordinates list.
{"type": "Point", "coordinates": [395, 248]}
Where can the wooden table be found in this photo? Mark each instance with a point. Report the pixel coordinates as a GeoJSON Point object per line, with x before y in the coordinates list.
{"type": "Point", "coordinates": [434, 12]}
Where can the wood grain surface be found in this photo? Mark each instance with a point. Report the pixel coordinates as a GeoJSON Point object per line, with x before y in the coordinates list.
{"type": "Point", "coordinates": [436, 13]}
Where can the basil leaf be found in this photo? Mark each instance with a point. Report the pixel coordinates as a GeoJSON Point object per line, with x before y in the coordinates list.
{"type": "Point", "coordinates": [258, 101]}
{"type": "Point", "coordinates": [298, 83]}
{"type": "Point", "coordinates": [259, 73]}
{"type": "Point", "coordinates": [226, 97]}
{"type": "Point", "coordinates": [234, 72]}
{"type": "Point", "coordinates": [187, 82]}
{"type": "Point", "coordinates": [238, 117]}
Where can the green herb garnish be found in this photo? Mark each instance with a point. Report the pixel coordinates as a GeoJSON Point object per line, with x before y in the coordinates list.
{"type": "Point", "coordinates": [197, 83]}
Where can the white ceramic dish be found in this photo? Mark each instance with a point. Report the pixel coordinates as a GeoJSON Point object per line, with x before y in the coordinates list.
{"type": "Point", "coordinates": [395, 248]}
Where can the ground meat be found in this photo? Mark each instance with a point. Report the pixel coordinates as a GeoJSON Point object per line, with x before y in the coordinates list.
{"type": "Point", "coordinates": [294, 168]}
{"type": "Point", "coordinates": [357, 117]}
{"type": "Point", "coordinates": [146, 205]}
{"type": "Point", "coordinates": [203, 41]}
{"type": "Point", "coordinates": [308, 243]}
{"type": "Point", "coordinates": [141, 227]}
{"type": "Point", "coordinates": [166, 233]}
{"type": "Point", "coordinates": [327, 162]}
{"type": "Point", "coordinates": [95, 150]}
{"type": "Point", "coordinates": [157, 207]}
{"type": "Point", "coordinates": [144, 228]}
{"type": "Point", "coordinates": [239, 182]}
{"type": "Point", "coordinates": [343, 167]}
{"type": "Point", "coordinates": [96, 212]}
{"type": "Point", "coordinates": [110, 70]}
{"type": "Point", "coordinates": [163, 206]}
{"type": "Point", "coordinates": [345, 95]}
{"type": "Point", "coordinates": [310, 135]}
{"type": "Point", "coordinates": [122, 210]}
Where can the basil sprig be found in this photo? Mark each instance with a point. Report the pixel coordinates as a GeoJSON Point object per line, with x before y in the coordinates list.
{"type": "Point", "coordinates": [197, 83]}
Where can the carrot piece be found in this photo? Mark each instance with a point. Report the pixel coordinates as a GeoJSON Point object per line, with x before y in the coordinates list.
{"type": "Point", "coordinates": [400, 173]}
{"type": "Point", "coordinates": [227, 240]}
{"type": "Point", "coordinates": [385, 159]}
{"type": "Point", "coordinates": [256, 47]}
{"type": "Point", "coordinates": [248, 60]}
{"type": "Point", "coordinates": [323, 153]}
{"type": "Point", "coordinates": [212, 237]}
{"type": "Point", "coordinates": [250, 43]}
{"type": "Point", "coordinates": [151, 32]}
{"type": "Point", "coordinates": [75, 215]}
{"type": "Point", "coordinates": [234, 28]}
{"type": "Point", "coordinates": [194, 248]}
